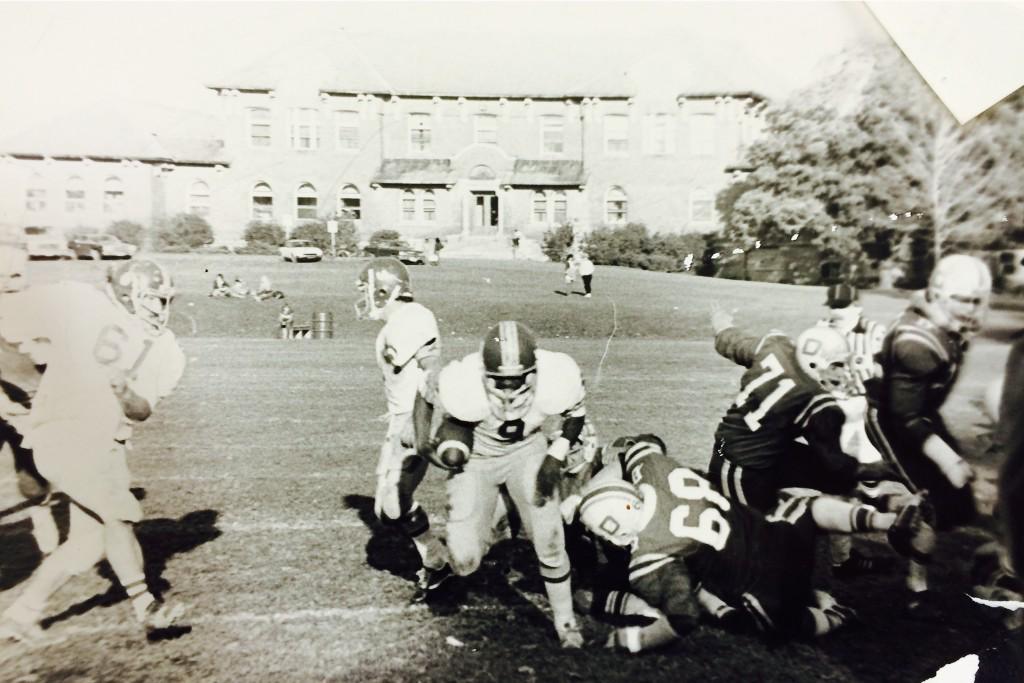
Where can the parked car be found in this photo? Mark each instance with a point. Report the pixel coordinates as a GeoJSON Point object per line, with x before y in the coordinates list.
{"type": "Point", "coordinates": [94, 245]}
{"type": "Point", "coordinates": [397, 248]}
{"type": "Point", "coordinates": [45, 242]}
{"type": "Point", "coordinates": [300, 250]}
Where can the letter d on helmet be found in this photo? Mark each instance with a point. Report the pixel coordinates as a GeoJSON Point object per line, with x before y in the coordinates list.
{"type": "Point", "coordinates": [824, 355]}
{"type": "Point", "coordinates": [380, 282]}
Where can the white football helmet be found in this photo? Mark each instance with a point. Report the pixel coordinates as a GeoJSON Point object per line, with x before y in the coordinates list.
{"type": "Point", "coordinates": [13, 263]}
{"type": "Point", "coordinates": [959, 290]}
{"type": "Point", "coordinates": [509, 353]}
{"type": "Point", "coordinates": [145, 289]}
{"type": "Point", "coordinates": [381, 281]}
{"type": "Point", "coordinates": [612, 511]}
{"type": "Point", "coordinates": [824, 355]}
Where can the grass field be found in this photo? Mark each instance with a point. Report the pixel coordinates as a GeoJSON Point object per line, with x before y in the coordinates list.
{"type": "Point", "coordinates": [258, 478]}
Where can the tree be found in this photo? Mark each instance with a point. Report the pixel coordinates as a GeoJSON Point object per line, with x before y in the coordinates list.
{"type": "Point", "coordinates": [184, 231]}
{"type": "Point", "coordinates": [386, 235]}
{"type": "Point", "coordinates": [257, 232]}
{"type": "Point", "coordinates": [555, 242]}
{"type": "Point", "coordinates": [315, 232]}
{"type": "Point", "coordinates": [128, 232]}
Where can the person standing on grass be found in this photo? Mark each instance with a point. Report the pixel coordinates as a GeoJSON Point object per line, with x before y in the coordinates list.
{"type": "Point", "coordinates": [109, 358]}
{"type": "Point", "coordinates": [570, 272]}
{"type": "Point", "coordinates": [408, 353]}
{"type": "Point", "coordinates": [586, 268]}
{"type": "Point", "coordinates": [516, 236]}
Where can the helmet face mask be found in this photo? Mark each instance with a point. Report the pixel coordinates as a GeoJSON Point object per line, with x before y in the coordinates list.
{"type": "Point", "coordinates": [509, 355]}
{"type": "Point", "coordinates": [824, 355]}
{"type": "Point", "coordinates": [959, 290]}
{"type": "Point", "coordinates": [145, 290]}
{"type": "Point", "coordinates": [381, 282]}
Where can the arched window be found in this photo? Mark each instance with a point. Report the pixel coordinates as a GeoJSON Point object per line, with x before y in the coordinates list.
{"type": "Point", "coordinates": [306, 202]}
{"type": "Point", "coordinates": [74, 195]}
{"type": "Point", "coordinates": [560, 208]}
{"type": "Point", "coordinates": [540, 208]}
{"type": "Point", "coordinates": [113, 195]}
{"type": "Point", "coordinates": [199, 199]}
{"type": "Point", "coordinates": [482, 172]}
{"type": "Point", "coordinates": [349, 203]}
{"type": "Point", "coordinates": [429, 206]}
{"type": "Point", "coordinates": [262, 203]}
{"type": "Point", "coordinates": [408, 205]}
{"type": "Point", "coordinates": [615, 206]}
{"type": "Point", "coordinates": [35, 194]}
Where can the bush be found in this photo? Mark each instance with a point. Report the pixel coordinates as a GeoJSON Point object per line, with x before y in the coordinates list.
{"type": "Point", "coordinates": [631, 246]}
{"type": "Point", "coordinates": [183, 232]}
{"type": "Point", "coordinates": [269, 234]}
{"type": "Point", "coordinates": [556, 241]}
{"type": "Point", "coordinates": [127, 231]}
{"type": "Point", "coordinates": [383, 235]}
{"type": "Point", "coordinates": [257, 249]}
{"type": "Point", "coordinates": [315, 232]}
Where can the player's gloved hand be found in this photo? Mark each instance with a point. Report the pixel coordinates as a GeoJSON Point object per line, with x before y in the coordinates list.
{"type": "Point", "coordinates": [548, 476]}
{"type": "Point", "coordinates": [720, 319]}
{"type": "Point", "coordinates": [877, 471]}
{"type": "Point", "coordinates": [569, 507]}
{"type": "Point", "coordinates": [959, 472]}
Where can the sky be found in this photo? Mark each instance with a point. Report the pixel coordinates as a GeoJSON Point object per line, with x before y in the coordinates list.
{"type": "Point", "coordinates": [78, 54]}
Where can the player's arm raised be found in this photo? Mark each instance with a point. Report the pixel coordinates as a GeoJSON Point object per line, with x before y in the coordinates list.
{"type": "Point", "coordinates": [730, 341]}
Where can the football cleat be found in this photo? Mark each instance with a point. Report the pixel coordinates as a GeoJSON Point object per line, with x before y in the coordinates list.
{"type": "Point", "coordinates": [509, 354]}
{"type": "Point", "coordinates": [824, 355]}
{"type": "Point", "coordinates": [959, 290]}
{"type": "Point", "coordinates": [160, 616]}
{"type": "Point", "coordinates": [859, 565]}
{"type": "Point", "coordinates": [144, 289]}
{"type": "Point", "coordinates": [569, 635]}
{"type": "Point", "coordinates": [428, 581]}
{"type": "Point", "coordinates": [381, 281]}
{"type": "Point", "coordinates": [26, 631]}
{"type": "Point", "coordinates": [913, 534]}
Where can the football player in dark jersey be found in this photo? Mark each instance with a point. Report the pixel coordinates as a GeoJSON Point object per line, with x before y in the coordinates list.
{"type": "Point", "coordinates": [788, 392]}
{"type": "Point", "coordinates": [921, 358]}
{"type": "Point", "coordinates": [692, 546]}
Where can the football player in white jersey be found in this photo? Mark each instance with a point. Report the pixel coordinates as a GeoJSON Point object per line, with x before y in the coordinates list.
{"type": "Point", "coordinates": [408, 353]}
{"type": "Point", "coordinates": [495, 403]}
{"type": "Point", "coordinates": [864, 337]}
{"type": "Point", "coordinates": [19, 378]}
{"type": "Point", "coordinates": [109, 358]}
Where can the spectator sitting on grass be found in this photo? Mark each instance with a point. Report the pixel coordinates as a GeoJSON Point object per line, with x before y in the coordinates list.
{"type": "Point", "coordinates": [220, 287]}
{"type": "Point", "coordinates": [239, 289]}
{"type": "Point", "coordinates": [266, 290]}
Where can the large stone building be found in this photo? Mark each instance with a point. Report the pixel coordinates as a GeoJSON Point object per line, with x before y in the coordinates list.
{"type": "Point", "coordinates": [331, 128]}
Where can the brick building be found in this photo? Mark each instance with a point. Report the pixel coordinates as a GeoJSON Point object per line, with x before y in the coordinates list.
{"type": "Point", "coordinates": [426, 145]}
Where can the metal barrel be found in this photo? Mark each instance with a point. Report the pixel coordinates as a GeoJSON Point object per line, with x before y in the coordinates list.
{"type": "Point", "coordinates": [323, 325]}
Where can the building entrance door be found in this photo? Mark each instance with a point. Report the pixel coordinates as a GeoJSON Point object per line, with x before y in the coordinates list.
{"type": "Point", "coordinates": [485, 212]}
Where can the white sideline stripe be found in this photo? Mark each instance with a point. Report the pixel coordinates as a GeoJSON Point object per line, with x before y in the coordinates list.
{"type": "Point", "coordinates": [234, 476]}
{"type": "Point", "coordinates": [255, 527]}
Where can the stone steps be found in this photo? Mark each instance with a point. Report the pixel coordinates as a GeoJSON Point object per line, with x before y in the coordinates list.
{"type": "Point", "coordinates": [491, 247]}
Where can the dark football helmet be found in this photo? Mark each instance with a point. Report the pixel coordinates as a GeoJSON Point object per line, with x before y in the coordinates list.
{"type": "Point", "coordinates": [380, 282]}
{"type": "Point", "coordinates": [510, 369]}
{"type": "Point", "coordinates": [144, 289]}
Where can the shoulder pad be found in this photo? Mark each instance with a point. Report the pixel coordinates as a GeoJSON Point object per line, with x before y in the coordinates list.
{"type": "Point", "coordinates": [774, 339]}
{"type": "Point", "coordinates": [461, 389]}
{"type": "Point", "coordinates": [559, 384]}
{"type": "Point", "coordinates": [916, 338]}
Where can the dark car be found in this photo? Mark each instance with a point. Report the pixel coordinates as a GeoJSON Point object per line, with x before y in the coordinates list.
{"type": "Point", "coordinates": [397, 248]}
{"type": "Point", "coordinates": [99, 246]}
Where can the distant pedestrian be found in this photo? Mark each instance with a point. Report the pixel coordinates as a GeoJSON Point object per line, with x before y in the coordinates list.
{"type": "Point", "coordinates": [516, 236]}
{"type": "Point", "coordinates": [586, 270]}
{"type": "Point", "coordinates": [570, 272]}
{"type": "Point", "coordinates": [285, 320]}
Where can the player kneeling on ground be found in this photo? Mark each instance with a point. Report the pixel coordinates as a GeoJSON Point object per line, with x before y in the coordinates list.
{"type": "Point", "coordinates": [691, 547]}
{"type": "Point", "coordinates": [109, 359]}
{"type": "Point", "coordinates": [494, 404]}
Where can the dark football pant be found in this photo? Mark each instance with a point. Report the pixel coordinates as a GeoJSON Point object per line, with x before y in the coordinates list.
{"type": "Point", "coordinates": [953, 506]}
{"type": "Point", "coordinates": [30, 483]}
{"type": "Point", "coordinates": [759, 488]}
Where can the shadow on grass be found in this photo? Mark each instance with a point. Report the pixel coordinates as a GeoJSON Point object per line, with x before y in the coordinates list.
{"type": "Point", "coordinates": [387, 550]}
{"type": "Point", "coordinates": [21, 555]}
{"type": "Point", "coordinates": [161, 539]}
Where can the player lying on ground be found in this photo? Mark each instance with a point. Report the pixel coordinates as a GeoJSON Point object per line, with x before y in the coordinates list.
{"type": "Point", "coordinates": [109, 358]}
{"type": "Point", "coordinates": [691, 547]}
{"type": "Point", "coordinates": [408, 353]}
{"type": "Point", "coordinates": [494, 404]}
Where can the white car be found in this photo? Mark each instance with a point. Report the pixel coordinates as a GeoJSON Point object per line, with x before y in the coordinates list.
{"type": "Point", "coordinates": [300, 250]}
{"type": "Point", "coordinates": [45, 243]}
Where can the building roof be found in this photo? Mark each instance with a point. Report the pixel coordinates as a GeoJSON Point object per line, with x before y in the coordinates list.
{"type": "Point", "coordinates": [546, 173]}
{"type": "Point", "coordinates": [145, 133]}
{"type": "Point", "coordinates": [414, 172]}
{"type": "Point", "coordinates": [498, 65]}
